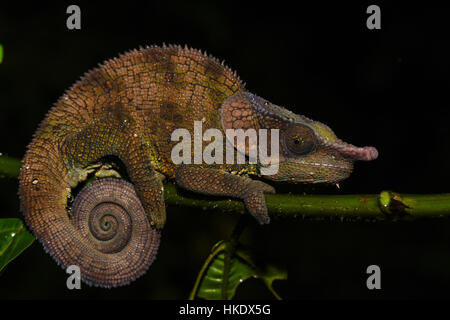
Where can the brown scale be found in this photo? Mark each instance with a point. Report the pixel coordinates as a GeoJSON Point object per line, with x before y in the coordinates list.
{"type": "Point", "coordinates": [127, 109]}
{"type": "Point", "coordinates": [140, 96]}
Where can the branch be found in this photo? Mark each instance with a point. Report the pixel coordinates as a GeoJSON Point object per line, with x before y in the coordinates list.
{"type": "Point", "coordinates": [386, 205]}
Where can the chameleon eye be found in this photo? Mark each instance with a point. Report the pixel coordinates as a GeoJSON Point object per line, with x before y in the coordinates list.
{"type": "Point", "coordinates": [300, 140]}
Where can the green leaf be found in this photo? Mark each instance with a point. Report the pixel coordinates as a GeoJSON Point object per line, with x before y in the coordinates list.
{"type": "Point", "coordinates": [9, 167]}
{"type": "Point", "coordinates": [241, 268]}
{"type": "Point", "coordinates": [268, 274]}
{"type": "Point", "coordinates": [14, 239]}
{"type": "Point", "coordinates": [1, 53]}
{"type": "Point", "coordinates": [211, 286]}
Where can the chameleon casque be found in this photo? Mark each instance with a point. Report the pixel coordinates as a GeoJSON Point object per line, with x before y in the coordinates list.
{"type": "Point", "coordinates": [116, 122]}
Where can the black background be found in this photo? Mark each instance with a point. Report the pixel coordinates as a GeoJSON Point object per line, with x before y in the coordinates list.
{"type": "Point", "coordinates": [387, 88]}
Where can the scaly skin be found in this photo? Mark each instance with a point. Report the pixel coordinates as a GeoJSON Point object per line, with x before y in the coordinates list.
{"type": "Point", "coordinates": [127, 108]}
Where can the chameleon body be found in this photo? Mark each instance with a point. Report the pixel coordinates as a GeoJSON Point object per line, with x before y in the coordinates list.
{"type": "Point", "coordinates": [124, 111]}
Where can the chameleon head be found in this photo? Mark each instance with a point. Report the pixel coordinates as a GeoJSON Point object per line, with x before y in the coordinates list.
{"type": "Point", "coordinates": [308, 151]}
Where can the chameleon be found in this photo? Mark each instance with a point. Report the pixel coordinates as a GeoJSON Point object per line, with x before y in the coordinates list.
{"type": "Point", "coordinates": [91, 181]}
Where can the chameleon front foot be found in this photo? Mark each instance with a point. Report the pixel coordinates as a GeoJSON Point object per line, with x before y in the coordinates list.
{"type": "Point", "coordinates": [255, 202]}
{"type": "Point", "coordinates": [218, 183]}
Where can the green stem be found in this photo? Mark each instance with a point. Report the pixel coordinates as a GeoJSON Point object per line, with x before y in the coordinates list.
{"type": "Point", "coordinates": [9, 167]}
{"type": "Point", "coordinates": [230, 250]}
{"type": "Point", "coordinates": [215, 251]}
{"type": "Point", "coordinates": [386, 205]}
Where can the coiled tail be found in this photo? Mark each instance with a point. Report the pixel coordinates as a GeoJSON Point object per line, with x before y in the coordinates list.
{"type": "Point", "coordinates": [107, 233]}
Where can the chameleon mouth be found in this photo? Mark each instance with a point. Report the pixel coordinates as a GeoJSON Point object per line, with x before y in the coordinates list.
{"type": "Point", "coordinates": [304, 171]}
{"type": "Point", "coordinates": [329, 173]}
{"type": "Point", "coordinates": [348, 167]}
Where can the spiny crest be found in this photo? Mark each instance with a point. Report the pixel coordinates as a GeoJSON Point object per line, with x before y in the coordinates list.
{"type": "Point", "coordinates": [133, 53]}
{"type": "Point", "coordinates": [206, 55]}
